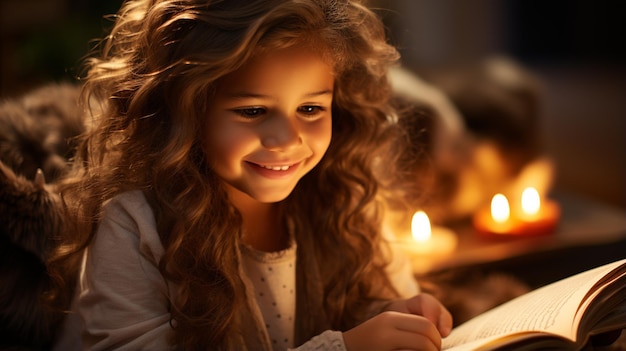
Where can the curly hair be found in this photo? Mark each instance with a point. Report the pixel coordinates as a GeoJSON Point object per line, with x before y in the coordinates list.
{"type": "Point", "coordinates": [148, 90]}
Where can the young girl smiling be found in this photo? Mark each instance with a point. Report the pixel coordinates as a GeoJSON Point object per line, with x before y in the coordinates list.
{"type": "Point", "coordinates": [227, 196]}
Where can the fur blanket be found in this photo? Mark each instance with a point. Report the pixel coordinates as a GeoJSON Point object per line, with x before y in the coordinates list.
{"type": "Point", "coordinates": [30, 219]}
{"type": "Point", "coordinates": [36, 138]}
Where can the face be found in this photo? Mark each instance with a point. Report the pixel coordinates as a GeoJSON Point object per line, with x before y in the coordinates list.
{"type": "Point", "coordinates": [269, 123]}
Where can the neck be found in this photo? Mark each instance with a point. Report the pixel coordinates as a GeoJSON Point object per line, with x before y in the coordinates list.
{"type": "Point", "coordinates": [263, 227]}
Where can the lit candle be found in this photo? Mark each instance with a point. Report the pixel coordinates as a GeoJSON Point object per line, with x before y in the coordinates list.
{"type": "Point", "coordinates": [532, 218]}
{"type": "Point", "coordinates": [500, 210]}
{"type": "Point", "coordinates": [531, 204]}
{"type": "Point", "coordinates": [427, 240]}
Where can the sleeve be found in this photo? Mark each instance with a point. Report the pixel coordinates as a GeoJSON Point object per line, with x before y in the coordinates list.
{"type": "Point", "coordinates": [400, 273]}
{"type": "Point", "coordinates": [329, 340]}
{"type": "Point", "coordinates": [400, 268]}
{"type": "Point", "coordinates": [124, 299]}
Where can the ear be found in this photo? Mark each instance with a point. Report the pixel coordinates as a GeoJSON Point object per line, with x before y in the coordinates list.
{"type": "Point", "coordinates": [40, 179]}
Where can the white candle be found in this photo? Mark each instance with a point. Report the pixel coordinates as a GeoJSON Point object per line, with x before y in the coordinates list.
{"type": "Point", "coordinates": [427, 240]}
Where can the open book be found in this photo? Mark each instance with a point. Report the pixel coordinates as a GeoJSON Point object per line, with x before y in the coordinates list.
{"type": "Point", "coordinates": [560, 316]}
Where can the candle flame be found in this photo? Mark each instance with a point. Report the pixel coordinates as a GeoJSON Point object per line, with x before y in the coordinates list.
{"type": "Point", "coordinates": [420, 227]}
{"type": "Point", "coordinates": [500, 210]}
{"type": "Point", "coordinates": [530, 201]}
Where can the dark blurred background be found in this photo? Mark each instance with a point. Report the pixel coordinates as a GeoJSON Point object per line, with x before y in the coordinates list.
{"type": "Point", "coordinates": [45, 40]}
{"type": "Point", "coordinates": [577, 48]}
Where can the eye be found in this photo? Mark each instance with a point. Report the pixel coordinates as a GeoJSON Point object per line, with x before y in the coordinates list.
{"type": "Point", "coordinates": [250, 112]}
{"type": "Point", "coordinates": [311, 110]}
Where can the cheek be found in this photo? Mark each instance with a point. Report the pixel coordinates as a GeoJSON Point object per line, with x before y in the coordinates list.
{"type": "Point", "coordinates": [223, 143]}
{"type": "Point", "coordinates": [322, 136]}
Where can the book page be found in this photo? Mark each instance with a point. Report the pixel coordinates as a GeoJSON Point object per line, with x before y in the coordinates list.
{"type": "Point", "coordinates": [551, 309]}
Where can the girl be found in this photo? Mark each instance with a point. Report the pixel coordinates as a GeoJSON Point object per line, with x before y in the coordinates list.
{"type": "Point", "coordinates": [227, 196]}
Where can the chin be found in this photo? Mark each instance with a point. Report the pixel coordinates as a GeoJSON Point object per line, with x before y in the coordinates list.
{"type": "Point", "coordinates": [272, 196]}
{"type": "Point", "coordinates": [240, 193]}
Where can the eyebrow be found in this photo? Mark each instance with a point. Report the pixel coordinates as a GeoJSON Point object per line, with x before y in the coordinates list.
{"type": "Point", "coordinates": [244, 94]}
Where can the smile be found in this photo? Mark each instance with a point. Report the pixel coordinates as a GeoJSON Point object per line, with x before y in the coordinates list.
{"type": "Point", "coordinates": [276, 168]}
{"type": "Point", "coordinates": [283, 171]}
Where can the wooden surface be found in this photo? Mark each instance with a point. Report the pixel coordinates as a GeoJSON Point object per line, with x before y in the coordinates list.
{"type": "Point", "coordinates": [589, 234]}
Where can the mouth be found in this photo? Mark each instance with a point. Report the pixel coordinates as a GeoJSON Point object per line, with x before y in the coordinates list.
{"type": "Point", "coordinates": [276, 168]}
{"type": "Point", "coordinates": [275, 171]}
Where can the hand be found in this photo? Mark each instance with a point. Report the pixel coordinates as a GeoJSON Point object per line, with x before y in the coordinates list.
{"type": "Point", "coordinates": [428, 306]}
{"type": "Point", "coordinates": [392, 330]}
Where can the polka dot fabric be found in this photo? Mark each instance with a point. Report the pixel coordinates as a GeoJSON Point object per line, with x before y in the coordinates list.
{"type": "Point", "coordinates": [274, 280]}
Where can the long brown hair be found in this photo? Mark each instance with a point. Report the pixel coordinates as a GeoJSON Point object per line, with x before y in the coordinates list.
{"type": "Point", "coordinates": [148, 90]}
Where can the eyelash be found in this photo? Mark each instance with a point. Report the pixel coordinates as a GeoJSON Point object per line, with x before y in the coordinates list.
{"type": "Point", "coordinates": [250, 112]}
{"type": "Point", "coordinates": [254, 112]}
{"type": "Point", "coordinates": [316, 110]}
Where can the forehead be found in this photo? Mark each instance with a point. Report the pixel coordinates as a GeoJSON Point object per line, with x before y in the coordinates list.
{"type": "Point", "coordinates": [296, 66]}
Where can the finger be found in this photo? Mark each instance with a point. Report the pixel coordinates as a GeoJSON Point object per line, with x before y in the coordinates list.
{"type": "Point", "coordinates": [405, 340]}
{"type": "Point", "coordinates": [445, 322]}
{"type": "Point", "coordinates": [417, 326]}
{"type": "Point", "coordinates": [435, 312]}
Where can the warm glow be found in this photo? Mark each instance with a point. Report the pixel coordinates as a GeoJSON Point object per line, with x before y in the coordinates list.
{"type": "Point", "coordinates": [420, 226]}
{"type": "Point", "coordinates": [530, 201]}
{"type": "Point", "coordinates": [500, 210]}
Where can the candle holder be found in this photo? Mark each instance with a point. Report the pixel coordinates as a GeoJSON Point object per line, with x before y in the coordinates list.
{"type": "Point", "coordinates": [534, 219]}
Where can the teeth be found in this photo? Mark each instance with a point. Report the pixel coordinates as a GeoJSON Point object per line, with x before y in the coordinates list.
{"type": "Point", "coordinates": [276, 168]}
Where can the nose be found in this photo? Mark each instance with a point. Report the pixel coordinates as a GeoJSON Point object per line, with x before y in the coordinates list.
{"type": "Point", "coordinates": [281, 132]}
